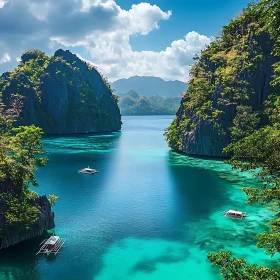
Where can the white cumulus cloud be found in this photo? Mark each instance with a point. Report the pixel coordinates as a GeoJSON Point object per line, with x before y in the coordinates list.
{"type": "Point", "coordinates": [101, 30]}
{"type": "Point", "coordinates": [5, 58]}
{"type": "Point", "coordinates": [115, 57]}
{"type": "Point", "coordinates": [2, 3]}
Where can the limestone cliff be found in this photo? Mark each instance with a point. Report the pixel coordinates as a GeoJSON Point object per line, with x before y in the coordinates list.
{"type": "Point", "coordinates": [10, 235]}
{"type": "Point", "coordinates": [235, 70]}
{"type": "Point", "coordinates": [62, 94]}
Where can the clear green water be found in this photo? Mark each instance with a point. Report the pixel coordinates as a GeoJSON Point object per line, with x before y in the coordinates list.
{"type": "Point", "coordinates": [149, 214]}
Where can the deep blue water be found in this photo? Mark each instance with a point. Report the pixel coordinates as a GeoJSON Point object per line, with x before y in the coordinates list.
{"type": "Point", "coordinates": [149, 214]}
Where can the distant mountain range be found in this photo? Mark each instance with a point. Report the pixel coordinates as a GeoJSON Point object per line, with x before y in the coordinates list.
{"type": "Point", "coordinates": [134, 104]}
{"type": "Point", "coordinates": [149, 86]}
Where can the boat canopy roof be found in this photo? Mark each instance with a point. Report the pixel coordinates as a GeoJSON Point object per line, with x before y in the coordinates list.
{"type": "Point", "coordinates": [52, 240]}
{"type": "Point", "coordinates": [234, 212]}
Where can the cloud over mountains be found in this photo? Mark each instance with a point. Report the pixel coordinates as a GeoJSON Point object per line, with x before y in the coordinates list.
{"type": "Point", "coordinates": [99, 30]}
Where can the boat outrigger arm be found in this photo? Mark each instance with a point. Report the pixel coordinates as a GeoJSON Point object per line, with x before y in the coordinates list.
{"type": "Point", "coordinates": [88, 171]}
{"type": "Point", "coordinates": [51, 245]}
{"type": "Point", "coordinates": [234, 214]}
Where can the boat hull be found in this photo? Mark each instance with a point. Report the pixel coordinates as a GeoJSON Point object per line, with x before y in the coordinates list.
{"type": "Point", "coordinates": [235, 215]}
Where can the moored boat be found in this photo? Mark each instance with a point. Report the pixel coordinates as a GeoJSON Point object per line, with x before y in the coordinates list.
{"type": "Point", "coordinates": [88, 170]}
{"type": "Point", "coordinates": [51, 245]}
{"type": "Point", "coordinates": [234, 214]}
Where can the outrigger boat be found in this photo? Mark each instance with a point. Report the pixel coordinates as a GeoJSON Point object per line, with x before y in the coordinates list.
{"type": "Point", "coordinates": [88, 171]}
{"type": "Point", "coordinates": [234, 214]}
{"type": "Point", "coordinates": [51, 245]}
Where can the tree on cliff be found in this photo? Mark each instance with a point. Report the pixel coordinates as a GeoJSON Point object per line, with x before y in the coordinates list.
{"type": "Point", "coordinates": [259, 149]}
{"type": "Point", "coordinates": [21, 152]}
{"type": "Point", "coordinates": [62, 94]}
{"type": "Point", "coordinates": [222, 99]}
{"type": "Point", "coordinates": [230, 78]}
{"type": "Point", "coordinates": [26, 153]}
{"type": "Point", "coordinates": [21, 149]}
{"type": "Point", "coordinates": [238, 269]}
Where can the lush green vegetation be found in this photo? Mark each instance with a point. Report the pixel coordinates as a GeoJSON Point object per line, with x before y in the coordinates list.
{"type": "Point", "coordinates": [62, 76]}
{"type": "Point", "coordinates": [256, 146]}
{"type": "Point", "coordinates": [238, 269]}
{"type": "Point", "coordinates": [21, 212]}
{"type": "Point", "coordinates": [133, 104]}
{"type": "Point", "coordinates": [52, 199]}
{"type": "Point", "coordinates": [21, 152]}
{"type": "Point", "coordinates": [32, 66]}
{"type": "Point", "coordinates": [25, 154]}
{"type": "Point", "coordinates": [245, 123]}
{"type": "Point", "coordinates": [224, 68]}
{"type": "Point", "coordinates": [220, 77]}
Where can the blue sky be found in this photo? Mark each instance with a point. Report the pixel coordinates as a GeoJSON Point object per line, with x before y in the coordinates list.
{"type": "Point", "coordinates": [122, 38]}
{"type": "Point", "coordinates": [203, 16]}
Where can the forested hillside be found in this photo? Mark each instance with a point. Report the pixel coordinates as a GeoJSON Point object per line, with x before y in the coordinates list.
{"type": "Point", "coordinates": [232, 109]}
{"type": "Point", "coordinates": [23, 214]}
{"type": "Point", "coordinates": [61, 94]}
{"type": "Point", "coordinates": [149, 86]}
{"type": "Point", "coordinates": [230, 82]}
{"type": "Point", "coordinates": [132, 104]}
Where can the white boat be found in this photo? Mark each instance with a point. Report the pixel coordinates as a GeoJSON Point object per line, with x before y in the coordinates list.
{"type": "Point", "coordinates": [51, 245]}
{"type": "Point", "coordinates": [234, 214]}
{"type": "Point", "coordinates": [88, 171]}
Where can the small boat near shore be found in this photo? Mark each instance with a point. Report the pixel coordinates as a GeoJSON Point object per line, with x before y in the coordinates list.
{"type": "Point", "coordinates": [234, 214]}
{"type": "Point", "coordinates": [51, 245]}
{"type": "Point", "coordinates": [88, 170]}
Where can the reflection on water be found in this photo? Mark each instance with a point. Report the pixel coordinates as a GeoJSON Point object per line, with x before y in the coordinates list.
{"type": "Point", "coordinates": [212, 232]}
{"type": "Point", "coordinates": [90, 143]}
{"type": "Point", "coordinates": [197, 190]}
{"type": "Point", "coordinates": [149, 214]}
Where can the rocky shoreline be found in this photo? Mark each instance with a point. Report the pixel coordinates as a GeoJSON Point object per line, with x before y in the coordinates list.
{"type": "Point", "coordinates": [10, 236]}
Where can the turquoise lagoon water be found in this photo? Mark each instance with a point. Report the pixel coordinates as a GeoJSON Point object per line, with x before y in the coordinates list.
{"type": "Point", "coordinates": [149, 214]}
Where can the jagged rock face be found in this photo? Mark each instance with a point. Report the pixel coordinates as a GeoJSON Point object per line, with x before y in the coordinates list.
{"type": "Point", "coordinates": [208, 139]}
{"type": "Point", "coordinates": [229, 69]}
{"type": "Point", "coordinates": [69, 95]}
{"type": "Point", "coordinates": [28, 56]}
{"type": "Point", "coordinates": [10, 236]}
{"type": "Point", "coordinates": [261, 82]}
